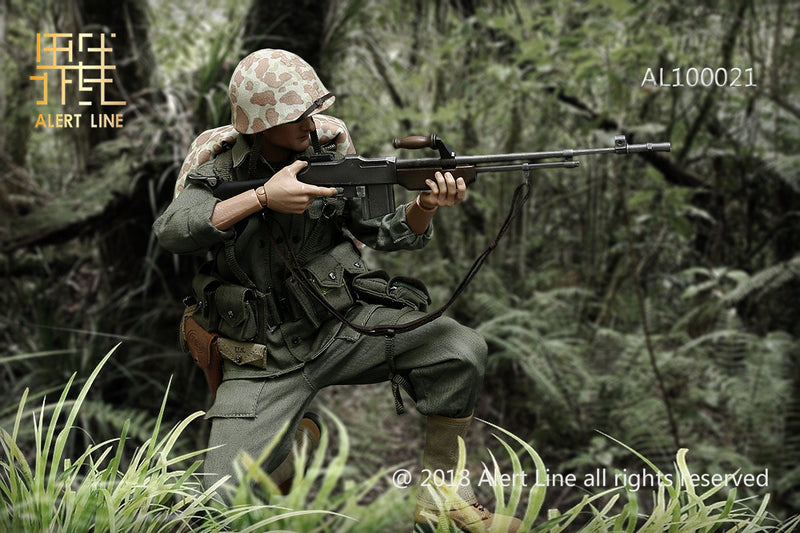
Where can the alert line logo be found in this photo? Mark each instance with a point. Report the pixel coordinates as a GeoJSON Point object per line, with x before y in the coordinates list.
{"type": "Point", "coordinates": [75, 65]}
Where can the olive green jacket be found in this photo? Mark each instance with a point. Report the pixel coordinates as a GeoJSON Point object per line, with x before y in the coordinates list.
{"type": "Point", "coordinates": [245, 291]}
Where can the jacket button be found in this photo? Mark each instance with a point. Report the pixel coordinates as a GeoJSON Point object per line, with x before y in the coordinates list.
{"type": "Point", "coordinates": [295, 340]}
{"type": "Point", "coordinates": [357, 264]}
{"type": "Point", "coordinates": [230, 314]}
{"type": "Point", "coordinates": [332, 275]}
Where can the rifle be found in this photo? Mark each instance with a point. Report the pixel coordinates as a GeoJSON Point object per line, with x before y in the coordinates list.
{"type": "Point", "coordinates": [373, 179]}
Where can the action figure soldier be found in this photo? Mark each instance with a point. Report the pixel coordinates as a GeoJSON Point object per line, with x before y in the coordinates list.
{"type": "Point", "coordinates": [279, 345]}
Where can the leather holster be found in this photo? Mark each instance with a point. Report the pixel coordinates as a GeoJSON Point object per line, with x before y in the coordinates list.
{"type": "Point", "coordinates": [202, 346]}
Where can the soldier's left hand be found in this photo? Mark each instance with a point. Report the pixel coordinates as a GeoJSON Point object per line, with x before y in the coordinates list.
{"type": "Point", "coordinates": [445, 190]}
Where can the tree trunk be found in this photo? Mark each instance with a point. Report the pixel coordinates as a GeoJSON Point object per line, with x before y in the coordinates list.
{"type": "Point", "coordinates": [294, 25]}
{"type": "Point", "coordinates": [100, 198]}
{"type": "Point", "coordinates": [125, 24]}
{"type": "Point", "coordinates": [19, 194]}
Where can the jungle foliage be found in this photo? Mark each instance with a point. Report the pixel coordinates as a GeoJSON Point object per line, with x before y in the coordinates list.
{"type": "Point", "coordinates": [651, 298]}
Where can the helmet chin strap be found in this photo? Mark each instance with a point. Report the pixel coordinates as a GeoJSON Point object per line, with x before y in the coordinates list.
{"type": "Point", "coordinates": [253, 157]}
{"type": "Point", "coordinates": [316, 104]}
{"type": "Point", "coordinates": [252, 164]}
{"type": "Point", "coordinates": [315, 141]}
{"type": "Point", "coordinates": [254, 149]}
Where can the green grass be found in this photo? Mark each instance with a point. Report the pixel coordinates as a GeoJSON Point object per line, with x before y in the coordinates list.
{"type": "Point", "coordinates": [115, 485]}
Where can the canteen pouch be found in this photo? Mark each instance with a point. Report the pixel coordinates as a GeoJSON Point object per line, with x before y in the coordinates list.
{"type": "Point", "coordinates": [378, 288]}
{"type": "Point", "coordinates": [330, 273]}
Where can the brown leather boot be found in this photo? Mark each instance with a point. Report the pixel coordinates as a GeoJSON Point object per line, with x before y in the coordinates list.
{"type": "Point", "coordinates": [306, 439]}
{"type": "Point", "coordinates": [459, 506]}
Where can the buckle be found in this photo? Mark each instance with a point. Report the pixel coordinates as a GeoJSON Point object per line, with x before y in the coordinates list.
{"type": "Point", "coordinates": [316, 104]}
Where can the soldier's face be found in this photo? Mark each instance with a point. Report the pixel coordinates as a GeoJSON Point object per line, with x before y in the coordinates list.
{"type": "Point", "coordinates": [287, 138]}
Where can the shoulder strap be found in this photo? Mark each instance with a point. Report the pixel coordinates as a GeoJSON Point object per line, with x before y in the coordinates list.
{"type": "Point", "coordinates": [223, 168]}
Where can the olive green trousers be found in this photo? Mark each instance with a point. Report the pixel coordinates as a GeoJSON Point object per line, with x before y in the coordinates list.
{"type": "Point", "coordinates": [443, 361]}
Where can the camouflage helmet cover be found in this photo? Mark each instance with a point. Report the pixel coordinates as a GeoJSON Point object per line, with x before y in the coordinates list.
{"type": "Point", "coordinates": [272, 87]}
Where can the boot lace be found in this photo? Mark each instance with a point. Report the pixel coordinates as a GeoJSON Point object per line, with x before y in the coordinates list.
{"type": "Point", "coordinates": [485, 514]}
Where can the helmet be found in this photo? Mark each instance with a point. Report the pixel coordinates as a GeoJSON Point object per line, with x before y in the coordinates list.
{"type": "Point", "coordinates": [272, 87]}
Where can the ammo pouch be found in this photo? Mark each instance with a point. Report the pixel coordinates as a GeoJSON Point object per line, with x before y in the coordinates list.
{"type": "Point", "coordinates": [236, 307]}
{"type": "Point", "coordinates": [223, 313]}
{"type": "Point", "coordinates": [378, 288]}
{"type": "Point", "coordinates": [331, 274]}
{"type": "Point", "coordinates": [224, 307]}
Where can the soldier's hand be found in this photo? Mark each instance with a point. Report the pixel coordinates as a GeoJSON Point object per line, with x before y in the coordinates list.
{"type": "Point", "coordinates": [445, 190]}
{"type": "Point", "coordinates": [285, 194]}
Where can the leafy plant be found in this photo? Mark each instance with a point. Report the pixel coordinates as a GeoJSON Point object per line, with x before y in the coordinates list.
{"type": "Point", "coordinates": [101, 489]}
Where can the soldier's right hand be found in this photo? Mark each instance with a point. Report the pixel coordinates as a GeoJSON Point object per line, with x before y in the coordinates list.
{"type": "Point", "coordinates": [285, 194]}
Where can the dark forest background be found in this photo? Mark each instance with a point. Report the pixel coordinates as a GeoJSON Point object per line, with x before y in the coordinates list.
{"type": "Point", "coordinates": [653, 297]}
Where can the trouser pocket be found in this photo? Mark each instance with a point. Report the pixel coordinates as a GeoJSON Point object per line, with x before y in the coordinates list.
{"type": "Point", "coordinates": [237, 398]}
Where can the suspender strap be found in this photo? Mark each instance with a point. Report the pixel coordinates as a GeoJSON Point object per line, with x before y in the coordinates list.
{"type": "Point", "coordinates": [223, 168]}
{"type": "Point", "coordinates": [235, 267]}
{"type": "Point", "coordinates": [397, 381]}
